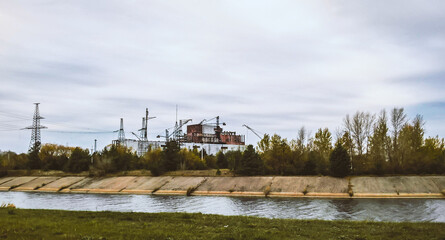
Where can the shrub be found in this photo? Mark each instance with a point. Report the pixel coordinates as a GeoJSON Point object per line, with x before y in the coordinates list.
{"type": "Point", "coordinates": [267, 190]}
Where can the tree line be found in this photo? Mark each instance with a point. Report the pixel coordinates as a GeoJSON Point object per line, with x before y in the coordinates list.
{"type": "Point", "coordinates": [365, 144]}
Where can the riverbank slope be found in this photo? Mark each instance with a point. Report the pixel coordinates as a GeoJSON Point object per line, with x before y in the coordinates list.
{"type": "Point", "coordinates": [269, 186]}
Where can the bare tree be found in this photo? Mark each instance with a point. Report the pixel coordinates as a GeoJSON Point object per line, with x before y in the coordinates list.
{"type": "Point", "coordinates": [398, 120]}
{"type": "Point", "coordinates": [359, 129]}
{"type": "Point", "coordinates": [301, 136]}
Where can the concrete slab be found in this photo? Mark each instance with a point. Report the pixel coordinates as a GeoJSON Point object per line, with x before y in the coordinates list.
{"type": "Point", "coordinates": [60, 184]}
{"type": "Point", "coordinates": [234, 186]}
{"type": "Point", "coordinates": [17, 181]}
{"type": "Point", "coordinates": [106, 185]}
{"type": "Point", "coordinates": [6, 179]}
{"type": "Point", "coordinates": [180, 185]}
{"type": "Point", "coordinates": [146, 185]}
{"type": "Point", "coordinates": [309, 186]}
{"type": "Point", "coordinates": [35, 184]}
{"type": "Point", "coordinates": [397, 185]}
{"type": "Point", "coordinates": [373, 185]}
{"type": "Point", "coordinates": [439, 181]}
{"type": "Point", "coordinates": [78, 186]}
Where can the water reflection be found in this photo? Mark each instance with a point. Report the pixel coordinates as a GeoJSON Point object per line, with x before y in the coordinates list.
{"type": "Point", "coordinates": [305, 208]}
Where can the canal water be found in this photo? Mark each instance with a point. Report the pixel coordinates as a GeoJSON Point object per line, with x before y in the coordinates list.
{"type": "Point", "coordinates": [393, 210]}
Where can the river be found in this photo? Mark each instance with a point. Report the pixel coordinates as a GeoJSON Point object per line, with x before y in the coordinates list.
{"type": "Point", "coordinates": [393, 210]}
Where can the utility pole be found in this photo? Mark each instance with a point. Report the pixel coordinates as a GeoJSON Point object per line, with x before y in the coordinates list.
{"type": "Point", "coordinates": [35, 142]}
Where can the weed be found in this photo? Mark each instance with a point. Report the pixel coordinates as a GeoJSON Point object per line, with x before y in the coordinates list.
{"type": "Point", "coordinates": [10, 207]}
{"type": "Point", "coordinates": [190, 190]}
{"type": "Point", "coordinates": [350, 191]}
{"type": "Point", "coordinates": [266, 191]}
{"type": "Point", "coordinates": [305, 191]}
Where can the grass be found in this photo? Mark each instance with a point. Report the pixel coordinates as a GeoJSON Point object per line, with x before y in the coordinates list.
{"type": "Point", "coordinates": [56, 224]}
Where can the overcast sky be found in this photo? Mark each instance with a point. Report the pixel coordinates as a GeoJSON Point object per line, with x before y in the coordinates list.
{"type": "Point", "coordinates": [273, 65]}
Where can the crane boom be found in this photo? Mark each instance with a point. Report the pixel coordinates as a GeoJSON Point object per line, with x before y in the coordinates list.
{"type": "Point", "coordinates": [252, 130]}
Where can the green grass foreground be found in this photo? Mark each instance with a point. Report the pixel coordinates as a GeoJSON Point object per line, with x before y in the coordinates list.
{"type": "Point", "coordinates": [55, 224]}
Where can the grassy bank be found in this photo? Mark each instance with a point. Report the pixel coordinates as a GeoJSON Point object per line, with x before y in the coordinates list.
{"type": "Point", "coordinates": [51, 224]}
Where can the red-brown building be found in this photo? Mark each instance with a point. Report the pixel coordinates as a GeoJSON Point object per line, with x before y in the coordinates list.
{"type": "Point", "coordinates": [206, 133]}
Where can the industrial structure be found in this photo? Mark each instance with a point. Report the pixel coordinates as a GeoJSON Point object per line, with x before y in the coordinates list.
{"type": "Point", "coordinates": [210, 137]}
{"type": "Point", "coordinates": [36, 140]}
{"type": "Point", "coordinates": [206, 136]}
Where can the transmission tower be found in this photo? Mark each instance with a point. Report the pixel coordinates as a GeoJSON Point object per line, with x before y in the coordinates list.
{"type": "Point", "coordinates": [35, 142]}
{"type": "Point", "coordinates": [121, 135]}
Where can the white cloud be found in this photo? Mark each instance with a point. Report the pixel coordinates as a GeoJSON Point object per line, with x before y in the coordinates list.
{"type": "Point", "coordinates": [275, 66]}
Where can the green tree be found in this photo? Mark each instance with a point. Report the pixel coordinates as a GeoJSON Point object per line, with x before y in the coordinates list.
{"type": "Point", "coordinates": [278, 159]}
{"type": "Point", "coordinates": [210, 161]}
{"type": "Point", "coordinates": [398, 121]}
{"type": "Point", "coordinates": [117, 158]}
{"type": "Point", "coordinates": [251, 163]}
{"type": "Point", "coordinates": [171, 154]}
{"type": "Point", "coordinates": [340, 162]}
{"type": "Point", "coordinates": [234, 159]}
{"type": "Point", "coordinates": [433, 156]}
{"type": "Point", "coordinates": [54, 157]}
{"type": "Point", "coordinates": [154, 161]}
{"type": "Point", "coordinates": [380, 144]}
{"type": "Point", "coordinates": [221, 160]}
{"type": "Point", "coordinates": [34, 159]}
{"type": "Point", "coordinates": [310, 166]}
{"type": "Point", "coordinates": [323, 145]}
{"type": "Point", "coordinates": [78, 161]}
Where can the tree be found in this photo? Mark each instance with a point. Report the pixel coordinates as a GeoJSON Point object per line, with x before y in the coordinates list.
{"type": "Point", "coordinates": [310, 166]}
{"type": "Point", "coordinates": [359, 128]}
{"type": "Point", "coordinates": [79, 161]}
{"type": "Point", "coordinates": [380, 144]}
{"type": "Point", "coordinates": [154, 161]}
{"type": "Point", "coordinates": [398, 120]}
{"type": "Point", "coordinates": [34, 159]}
{"type": "Point", "coordinates": [264, 144]}
{"type": "Point", "coordinates": [221, 160]}
{"type": "Point", "coordinates": [117, 158]}
{"type": "Point", "coordinates": [234, 159]}
{"type": "Point", "coordinates": [54, 157]}
{"type": "Point", "coordinates": [251, 163]}
{"type": "Point", "coordinates": [340, 162]}
{"type": "Point", "coordinates": [323, 145]}
{"type": "Point", "coordinates": [171, 152]}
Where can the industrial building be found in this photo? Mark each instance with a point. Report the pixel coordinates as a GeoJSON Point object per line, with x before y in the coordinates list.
{"type": "Point", "coordinates": [206, 135]}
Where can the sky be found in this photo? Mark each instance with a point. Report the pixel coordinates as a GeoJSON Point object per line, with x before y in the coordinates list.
{"type": "Point", "coordinates": [273, 65]}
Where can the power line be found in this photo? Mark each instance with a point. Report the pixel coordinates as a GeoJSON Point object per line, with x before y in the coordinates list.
{"type": "Point", "coordinates": [81, 132]}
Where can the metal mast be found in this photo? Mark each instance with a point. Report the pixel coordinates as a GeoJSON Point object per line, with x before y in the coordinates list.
{"type": "Point", "coordinates": [143, 138]}
{"type": "Point", "coordinates": [121, 135]}
{"type": "Point", "coordinates": [35, 142]}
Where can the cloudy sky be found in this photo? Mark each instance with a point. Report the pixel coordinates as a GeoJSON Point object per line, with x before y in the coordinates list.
{"type": "Point", "coordinates": [273, 65]}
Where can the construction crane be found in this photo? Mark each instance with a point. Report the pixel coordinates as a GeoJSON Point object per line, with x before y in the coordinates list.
{"type": "Point", "coordinates": [177, 130]}
{"type": "Point", "coordinates": [207, 121]}
{"type": "Point", "coordinates": [252, 130]}
{"type": "Point", "coordinates": [136, 136]}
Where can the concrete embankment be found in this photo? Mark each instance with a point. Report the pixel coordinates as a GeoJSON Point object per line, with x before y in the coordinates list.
{"type": "Point", "coordinates": [307, 186]}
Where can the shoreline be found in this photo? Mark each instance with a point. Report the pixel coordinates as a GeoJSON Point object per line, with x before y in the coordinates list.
{"type": "Point", "coordinates": [432, 187]}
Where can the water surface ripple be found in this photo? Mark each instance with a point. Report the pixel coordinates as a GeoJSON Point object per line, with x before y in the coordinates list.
{"type": "Point", "coordinates": [394, 210]}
